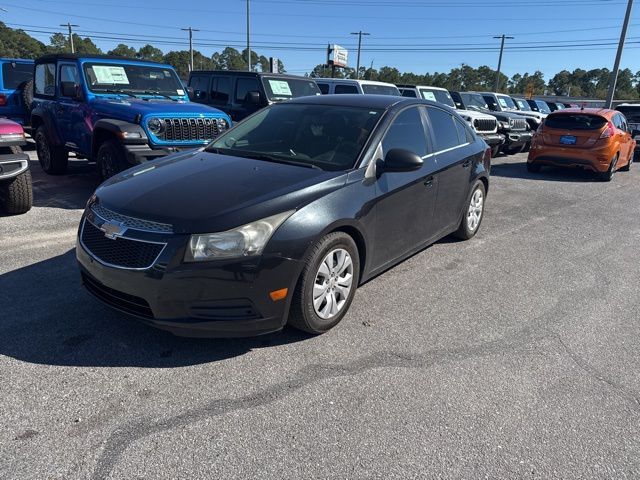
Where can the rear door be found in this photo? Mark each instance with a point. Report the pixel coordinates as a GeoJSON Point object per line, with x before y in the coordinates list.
{"type": "Point", "coordinates": [220, 93]}
{"type": "Point", "coordinates": [573, 130]}
{"type": "Point", "coordinates": [455, 149]}
{"type": "Point", "coordinates": [241, 107]}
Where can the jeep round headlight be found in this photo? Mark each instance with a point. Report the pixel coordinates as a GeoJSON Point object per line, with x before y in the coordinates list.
{"type": "Point", "coordinates": [155, 126]}
{"type": "Point", "coordinates": [222, 124]}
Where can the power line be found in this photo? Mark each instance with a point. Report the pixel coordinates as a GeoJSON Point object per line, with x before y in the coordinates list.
{"type": "Point", "coordinates": [70, 25]}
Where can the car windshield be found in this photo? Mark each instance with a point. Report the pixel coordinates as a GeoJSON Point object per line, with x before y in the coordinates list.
{"type": "Point", "coordinates": [132, 79]}
{"type": "Point", "coordinates": [632, 113]}
{"type": "Point", "coordinates": [279, 89]}
{"type": "Point", "coordinates": [435, 95]}
{"type": "Point", "coordinates": [474, 101]}
{"type": "Point", "coordinates": [522, 105]}
{"type": "Point", "coordinates": [373, 89]}
{"type": "Point", "coordinates": [543, 107]}
{"type": "Point", "coordinates": [579, 121]}
{"type": "Point", "coordinates": [506, 102]}
{"type": "Point", "coordinates": [15, 74]}
{"type": "Point", "coordinates": [316, 136]}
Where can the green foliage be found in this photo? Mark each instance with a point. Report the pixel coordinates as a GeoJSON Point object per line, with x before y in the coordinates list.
{"type": "Point", "coordinates": [18, 44]}
{"type": "Point", "coordinates": [60, 44]}
{"type": "Point", "coordinates": [151, 53]}
{"type": "Point", "coordinates": [595, 83]}
{"type": "Point", "coordinates": [123, 50]}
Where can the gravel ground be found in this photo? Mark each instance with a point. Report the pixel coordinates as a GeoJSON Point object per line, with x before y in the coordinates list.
{"type": "Point", "coordinates": [513, 355]}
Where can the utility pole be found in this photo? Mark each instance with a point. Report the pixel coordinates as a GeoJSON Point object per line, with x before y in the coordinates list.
{"type": "Point", "coordinates": [69, 26]}
{"type": "Point", "coordinates": [502, 38]}
{"type": "Point", "coordinates": [360, 34]}
{"type": "Point", "coordinates": [616, 66]}
{"type": "Point", "coordinates": [248, 39]}
{"type": "Point", "coordinates": [190, 30]}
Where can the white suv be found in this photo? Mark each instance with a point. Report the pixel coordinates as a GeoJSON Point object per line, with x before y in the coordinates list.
{"type": "Point", "coordinates": [333, 86]}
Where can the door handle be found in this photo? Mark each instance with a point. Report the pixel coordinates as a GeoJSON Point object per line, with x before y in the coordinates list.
{"type": "Point", "coordinates": [428, 182]}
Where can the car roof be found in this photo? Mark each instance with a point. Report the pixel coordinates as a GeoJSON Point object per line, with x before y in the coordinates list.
{"type": "Point", "coordinates": [53, 57]}
{"type": "Point", "coordinates": [17, 60]}
{"type": "Point", "coordinates": [356, 100]}
{"type": "Point", "coordinates": [637, 105]}
{"type": "Point", "coordinates": [603, 112]}
{"type": "Point", "coordinates": [353, 80]}
{"type": "Point", "coordinates": [422, 86]}
{"type": "Point", "coordinates": [245, 73]}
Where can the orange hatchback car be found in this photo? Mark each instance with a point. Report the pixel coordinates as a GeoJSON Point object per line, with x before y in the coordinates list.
{"type": "Point", "coordinates": [592, 138]}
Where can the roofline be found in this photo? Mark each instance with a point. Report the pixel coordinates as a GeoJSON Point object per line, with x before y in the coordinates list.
{"type": "Point", "coordinates": [358, 80]}
{"type": "Point", "coordinates": [247, 73]}
{"type": "Point", "coordinates": [79, 56]}
{"type": "Point", "coordinates": [9, 59]}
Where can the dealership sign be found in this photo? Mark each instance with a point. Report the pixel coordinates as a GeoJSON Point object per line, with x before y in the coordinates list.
{"type": "Point", "coordinates": [338, 56]}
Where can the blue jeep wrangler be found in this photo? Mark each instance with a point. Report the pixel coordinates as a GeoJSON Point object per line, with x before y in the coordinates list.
{"type": "Point", "coordinates": [114, 111]}
{"type": "Point", "coordinates": [15, 84]}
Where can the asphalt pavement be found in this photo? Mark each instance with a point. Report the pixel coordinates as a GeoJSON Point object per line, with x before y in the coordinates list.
{"type": "Point", "coordinates": [513, 355]}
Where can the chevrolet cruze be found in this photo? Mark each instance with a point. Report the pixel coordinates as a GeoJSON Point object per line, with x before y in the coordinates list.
{"type": "Point", "coordinates": [282, 217]}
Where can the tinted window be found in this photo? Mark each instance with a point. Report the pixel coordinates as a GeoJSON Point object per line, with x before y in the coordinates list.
{"type": "Point", "coordinates": [444, 129]}
{"type": "Point", "coordinates": [328, 137]}
{"type": "Point", "coordinates": [575, 122]}
{"type": "Point", "coordinates": [221, 90]}
{"type": "Point", "coordinates": [435, 95]}
{"type": "Point", "coordinates": [406, 132]}
{"type": "Point", "coordinates": [45, 79]}
{"type": "Point", "coordinates": [280, 88]}
{"type": "Point", "coordinates": [632, 113]}
{"type": "Point", "coordinates": [200, 85]}
{"type": "Point", "coordinates": [324, 88]}
{"type": "Point", "coordinates": [15, 74]}
{"type": "Point", "coordinates": [406, 92]}
{"type": "Point", "coordinates": [380, 89]}
{"type": "Point", "coordinates": [491, 102]}
{"type": "Point", "coordinates": [246, 85]}
{"type": "Point", "coordinates": [542, 106]}
{"type": "Point", "coordinates": [345, 89]}
{"type": "Point", "coordinates": [464, 135]}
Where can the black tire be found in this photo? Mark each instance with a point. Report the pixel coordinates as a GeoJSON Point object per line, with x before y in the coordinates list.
{"type": "Point", "coordinates": [16, 195]}
{"type": "Point", "coordinates": [495, 151]}
{"type": "Point", "coordinates": [465, 231]}
{"type": "Point", "coordinates": [26, 93]}
{"type": "Point", "coordinates": [10, 150]}
{"type": "Point", "coordinates": [627, 167]}
{"type": "Point", "coordinates": [303, 315]}
{"type": "Point", "coordinates": [111, 159]}
{"type": "Point", "coordinates": [608, 175]}
{"type": "Point", "coordinates": [512, 150]}
{"type": "Point", "coordinates": [53, 159]}
{"type": "Point", "coordinates": [533, 167]}
{"type": "Point", "coordinates": [527, 147]}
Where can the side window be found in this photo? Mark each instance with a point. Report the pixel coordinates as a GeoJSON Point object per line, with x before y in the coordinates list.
{"type": "Point", "coordinates": [324, 88]}
{"type": "Point", "coordinates": [221, 90]}
{"type": "Point", "coordinates": [616, 121]}
{"type": "Point", "coordinates": [246, 85]}
{"type": "Point", "coordinates": [464, 135]}
{"type": "Point", "coordinates": [346, 89]}
{"type": "Point", "coordinates": [444, 130]}
{"type": "Point", "coordinates": [45, 79]}
{"type": "Point", "coordinates": [408, 93]}
{"type": "Point", "coordinates": [200, 85]}
{"type": "Point", "coordinates": [69, 73]}
{"type": "Point", "coordinates": [407, 132]}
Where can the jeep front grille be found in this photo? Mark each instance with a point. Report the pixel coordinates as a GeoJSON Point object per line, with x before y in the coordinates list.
{"type": "Point", "coordinates": [189, 129]}
{"type": "Point", "coordinates": [485, 125]}
{"type": "Point", "coordinates": [518, 124]}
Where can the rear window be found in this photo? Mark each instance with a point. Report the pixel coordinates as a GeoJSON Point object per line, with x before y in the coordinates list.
{"type": "Point", "coordinates": [15, 74]}
{"type": "Point", "coordinates": [380, 89]}
{"type": "Point", "coordinates": [575, 122]}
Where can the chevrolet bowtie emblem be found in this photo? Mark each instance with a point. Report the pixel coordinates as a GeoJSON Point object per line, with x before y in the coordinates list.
{"type": "Point", "coordinates": [113, 230]}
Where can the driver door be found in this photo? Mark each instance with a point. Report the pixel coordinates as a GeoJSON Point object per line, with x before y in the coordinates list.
{"type": "Point", "coordinates": [72, 113]}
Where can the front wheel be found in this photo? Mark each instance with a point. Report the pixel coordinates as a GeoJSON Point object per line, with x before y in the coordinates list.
{"type": "Point", "coordinates": [327, 284]}
{"type": "Point", "coordinates": [627, 167]}
{"type": "Point", "coordinates": [474, 212]}
{"type": "Point", "coordinates": [16, 195]}
{"type": "Point", "coordinates": [495, 151]}
{"type": "Point", "coordinates": [111, 159]}
{"type": "Point", "coordinates": [53, 159]}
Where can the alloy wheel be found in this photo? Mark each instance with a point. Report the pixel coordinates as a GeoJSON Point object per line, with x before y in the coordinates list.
{"type": "Point", "coordinates": [474, 214]}
{"type": "Point", "coordinates": [333, 283]}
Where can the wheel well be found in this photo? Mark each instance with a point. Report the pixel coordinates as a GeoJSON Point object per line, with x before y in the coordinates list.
{"type": "Point", "coordinates": [99, 136]}
{"type": "Point", "coordinates": [36, 121]}
{"type": "Point", "coordinates": [485, 182]}
{"type": "Point", "coordinates": [359, 240]}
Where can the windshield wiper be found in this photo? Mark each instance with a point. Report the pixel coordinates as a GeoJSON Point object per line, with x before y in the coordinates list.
{"type": "Point", "coordinates": [119, 92]}
{"type": "Point", "coordinates": [262, 156]}
{"type": "Point", "coordinates": [154, 92]}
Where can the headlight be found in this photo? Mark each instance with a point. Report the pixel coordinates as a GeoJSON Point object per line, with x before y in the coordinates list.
{"type": "Point", "coordinates": [222, 124]}
{"type": "Point", "coordinates": [245, 241]}
{"type": "Point", "coordinates": [155, 126]}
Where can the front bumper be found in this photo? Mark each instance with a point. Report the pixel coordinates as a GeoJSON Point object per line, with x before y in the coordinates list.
{"type": "Point", "coordinates": [204, 299]}
{"type": "Point", "coordinates": [13, 165]}
{"type": "Point", "coordinates": [517, 138]}
{"type": "Point", "coordinates": [493, 139]}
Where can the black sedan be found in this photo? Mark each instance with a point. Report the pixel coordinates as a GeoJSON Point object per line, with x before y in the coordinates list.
{"type": "Point", "coordinates": [283, 216]}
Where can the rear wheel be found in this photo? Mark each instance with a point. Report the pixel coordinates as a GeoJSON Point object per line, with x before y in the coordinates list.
{"type": "Point", "coordinates": [495, 150]}
{"type": "Point", "coordinates": [627, 167]}
{"type": "Point", "coordinates": [111, 159]}
{"type": "Point", "coordinates": [53, 159]}
{"type": "Point", "coordinates": [327, 284]}
{"type": "Point", "coordinates": [533, 167]}
{"type": "Point", "coordinates": [608, 175]}
{"type": "Point", "coordinates": [474, 212]}
{"type": "Point", "coordinates": [16, 195]}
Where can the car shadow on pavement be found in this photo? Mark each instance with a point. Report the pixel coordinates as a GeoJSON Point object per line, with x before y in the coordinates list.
{"type": "Point", "coordinates": [48, 318]}
{"type": "Point", "coordinates": [70, 190]}
{"type": "Point", "coordinates": [549, 174]}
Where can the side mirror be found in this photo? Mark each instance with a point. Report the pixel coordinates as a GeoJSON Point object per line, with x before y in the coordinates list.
{"type": "Point", "coordinates": [253, 98]}
{"type": "Point", "coordinates": [493, 107]}
{"type": "Point", "coordinates": [635, 133]}
{"type": "Point", "coordinates": [190, 93]}
{"type": "Point", "coordinates": [400, 160]}
{"type": "Point", "coordinates": [70, 89]}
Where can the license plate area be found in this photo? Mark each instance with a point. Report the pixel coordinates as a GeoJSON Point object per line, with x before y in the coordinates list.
{"type": "Point", "coordinates": [568, 140]}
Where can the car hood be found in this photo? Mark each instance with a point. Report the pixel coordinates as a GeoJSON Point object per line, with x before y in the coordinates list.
{"type": "Point", "coordinates": [8, 127]}
{"type": "Point", "coordinates": [475, 115]}
{"type": "Point", "coordinates": [128, 108]}
{"type": "Point", "coordinates": [524, 113]}
{"type": "Point", "coordinates": [201, 192]}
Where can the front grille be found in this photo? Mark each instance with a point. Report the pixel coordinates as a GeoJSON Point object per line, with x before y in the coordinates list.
{"type": "Point", "coordinates": [119, 252]}
{"type": "Point", "coordinates": [120, 300]}
{"type": "Point", "coordinates": [131, 222]}
{"type": "Point", "coordinates": [518, 124]}
{"type": "Point", "coordinates": [485, 125]}
{"type": "Point", "coordinates": [186, 129]}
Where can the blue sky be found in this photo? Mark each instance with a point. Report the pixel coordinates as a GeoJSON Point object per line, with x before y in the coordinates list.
{"type": "Point", "coordinates": [412, 35]}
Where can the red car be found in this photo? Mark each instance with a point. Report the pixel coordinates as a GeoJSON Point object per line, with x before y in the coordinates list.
{"type": "Point", "coordinates": [16, 194]}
